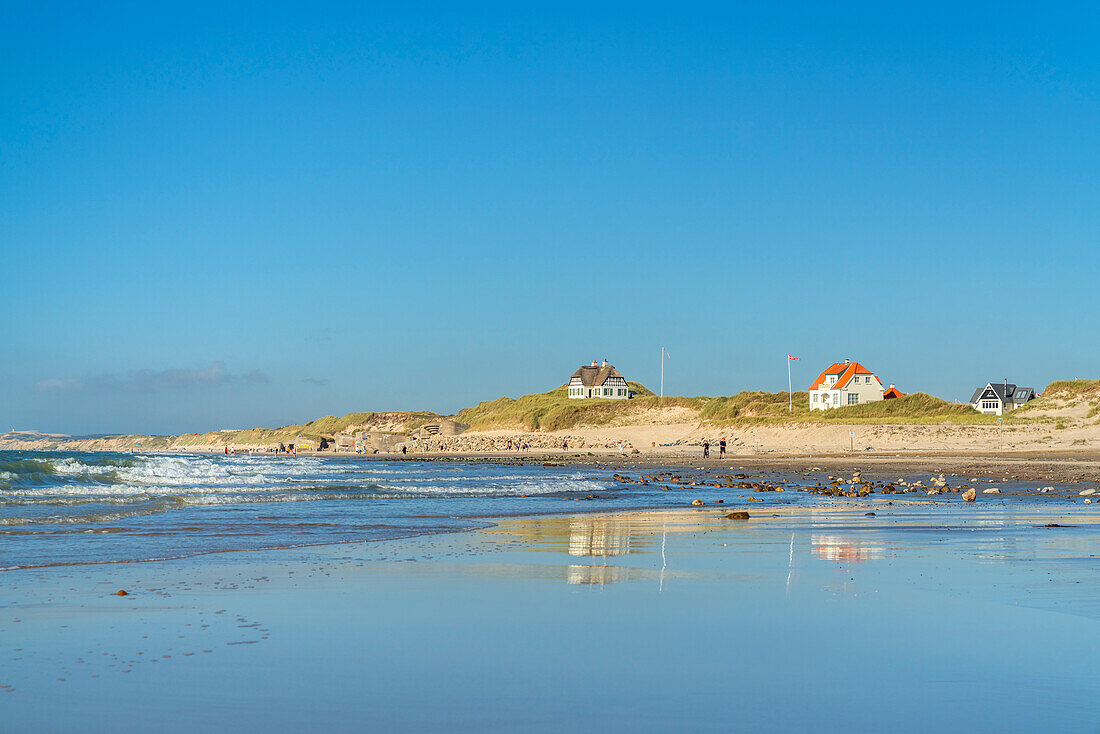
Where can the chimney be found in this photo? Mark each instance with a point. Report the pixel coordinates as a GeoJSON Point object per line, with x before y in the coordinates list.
{"type": "Point", "coordinates": [891, 386]}
{"type": "Point", "coordinates": [847, 361]}
{"type": "Point", "coordinates": [604, 363]}
{"type": "Point", "coordinates": [594, 363]}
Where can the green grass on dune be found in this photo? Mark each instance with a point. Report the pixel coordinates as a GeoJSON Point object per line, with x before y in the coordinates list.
{"type": "Point", "coordinates": [315, 430]}
{"type": "Point", "coordinates": [555, 411]}
{"type": "Point", "coordinates": [1064, 394]}
{"type": "Point", "coordinates": [764, 407]}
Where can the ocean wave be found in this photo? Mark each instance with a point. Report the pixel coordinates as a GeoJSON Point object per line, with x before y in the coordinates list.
{"type": "Point", "coordinates": [154, 508]}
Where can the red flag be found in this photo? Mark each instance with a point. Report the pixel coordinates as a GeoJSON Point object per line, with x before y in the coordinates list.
{"type": "Point", "coordinates": [794, 358]}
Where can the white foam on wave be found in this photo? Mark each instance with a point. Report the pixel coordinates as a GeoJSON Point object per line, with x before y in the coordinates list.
{"type": "Point", "coordinates": [191, 470]}
{"type": "Point", "coordinates": [92, 517]}
{"type": "Point", "coordinates": [493, 488]}
{"type": "Point", "coordinates": [209, 480]}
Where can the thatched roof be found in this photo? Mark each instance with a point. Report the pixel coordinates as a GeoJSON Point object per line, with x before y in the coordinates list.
{"type": "Point", "coordinates": [594, 375]}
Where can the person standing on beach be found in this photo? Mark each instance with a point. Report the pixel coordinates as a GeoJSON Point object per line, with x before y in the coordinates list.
{"type": "Point", "coordinates": [706, 448]}
{"type": "Point", "coordinates": [722, 448]}
{"type": "Point", "coordinates": [404, 450]}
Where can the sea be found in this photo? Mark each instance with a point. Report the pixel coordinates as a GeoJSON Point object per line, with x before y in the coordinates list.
{"type": "Point", "coordinates": [62, 508]}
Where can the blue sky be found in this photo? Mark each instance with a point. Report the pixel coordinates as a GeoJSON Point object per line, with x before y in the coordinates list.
{"type": "Point", "coordinates": [225, 215]}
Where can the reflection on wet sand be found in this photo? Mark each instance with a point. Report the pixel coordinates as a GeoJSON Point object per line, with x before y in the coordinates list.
{"type": "Point", "coordinates": [605, 536]}
{"type": "Point", "coordinates": [838, 548]}
{"type": "Point", "coordinates": [597, 575]}
{"type": "Point", "coordinates": [598, 537]}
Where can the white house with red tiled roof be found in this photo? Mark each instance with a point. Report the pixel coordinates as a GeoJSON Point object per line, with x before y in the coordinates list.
{"type": "Point", "coordinates": [844, 383]}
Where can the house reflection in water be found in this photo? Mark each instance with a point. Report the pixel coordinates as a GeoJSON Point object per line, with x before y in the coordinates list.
{"type": "Point", "coordinates": [598, 537]}
{"type": "Point", "coordinates": [595, 575]}
{"type": "Point", "coordinates": [837, 548]}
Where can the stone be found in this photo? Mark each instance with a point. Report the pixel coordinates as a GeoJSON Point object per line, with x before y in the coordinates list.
{"type": "Point", "coordinates": [121, 592]}
{"type": "Point", "coordinates": [969, 495]}
{"type": "Point", "coordinates": [697, 502]}
{"type": "Point", "coordinates": [739, 515]}
{"type": "Point", "coordinates": [1087, 492]}
{"type": "Point", "coordinates": [991, 490]}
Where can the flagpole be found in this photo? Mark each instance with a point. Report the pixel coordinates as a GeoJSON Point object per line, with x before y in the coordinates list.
{"type": "Point", "coordinates": [790, 397]}
{"type": "Point", "coordinates": [662, 372]}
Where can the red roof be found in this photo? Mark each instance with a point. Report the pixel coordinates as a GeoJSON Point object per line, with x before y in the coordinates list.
{"type": "Point", "coordinates": [845, 371]}
{"type": "Point", "coordinates": [893, 392]}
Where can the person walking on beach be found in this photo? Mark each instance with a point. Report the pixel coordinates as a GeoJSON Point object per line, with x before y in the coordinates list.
{"type": "Point", "coordinates": [706, 448]}
{"type": "Point", "coordinates": [722, 448]}
{"type": "Point", "coordinates": [404, 449]}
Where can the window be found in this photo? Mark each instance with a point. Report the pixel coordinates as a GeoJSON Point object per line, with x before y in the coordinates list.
{"type": "Point", "coordinates": [989, 405]}
{"type": "Point", "coordinates": [853, 398]}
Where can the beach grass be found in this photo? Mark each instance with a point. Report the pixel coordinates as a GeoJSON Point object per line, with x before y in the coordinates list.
{"type": "Point", "coordinates": [555, 410]}
{"type": "Point", "coordinates": [1062, 394]}
{"type": "Point", "coordinates": [763, 407]}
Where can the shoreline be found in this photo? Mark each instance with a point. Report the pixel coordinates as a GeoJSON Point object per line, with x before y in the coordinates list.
{"type": "Point", "coordinates": [1068, 466]}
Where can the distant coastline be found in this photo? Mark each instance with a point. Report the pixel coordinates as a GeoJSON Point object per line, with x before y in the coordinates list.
{"type": "Point", "coordinates": [1065, 420]}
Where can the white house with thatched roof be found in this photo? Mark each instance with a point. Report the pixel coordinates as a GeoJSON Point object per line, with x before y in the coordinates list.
{"type": "Point", "coordinates": [598, 381]}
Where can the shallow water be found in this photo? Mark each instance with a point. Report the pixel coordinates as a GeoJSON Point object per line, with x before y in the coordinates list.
{"type": "Point", "coordinates": [72, 508]}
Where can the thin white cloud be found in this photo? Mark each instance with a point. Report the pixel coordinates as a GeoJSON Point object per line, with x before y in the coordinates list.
{"type": "Point", "coordinates": [147, 380]}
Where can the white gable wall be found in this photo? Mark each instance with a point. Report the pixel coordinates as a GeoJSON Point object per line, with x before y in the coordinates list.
{"type": "Point", "coordinates": [866, 388]}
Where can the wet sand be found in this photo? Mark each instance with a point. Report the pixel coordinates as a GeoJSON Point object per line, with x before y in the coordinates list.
{"type": "Point", "coordinates": [1058, 466]}
{"type": "Point", "coordinates": [915, 618]}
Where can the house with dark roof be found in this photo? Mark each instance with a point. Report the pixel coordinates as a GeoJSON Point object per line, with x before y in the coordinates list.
{"type": "Point", "coordinates": [998, 398]}
{"type": "Point", "coordinates": [598, 381]}
{"type": "Point", "coordinates": [844, 383]}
